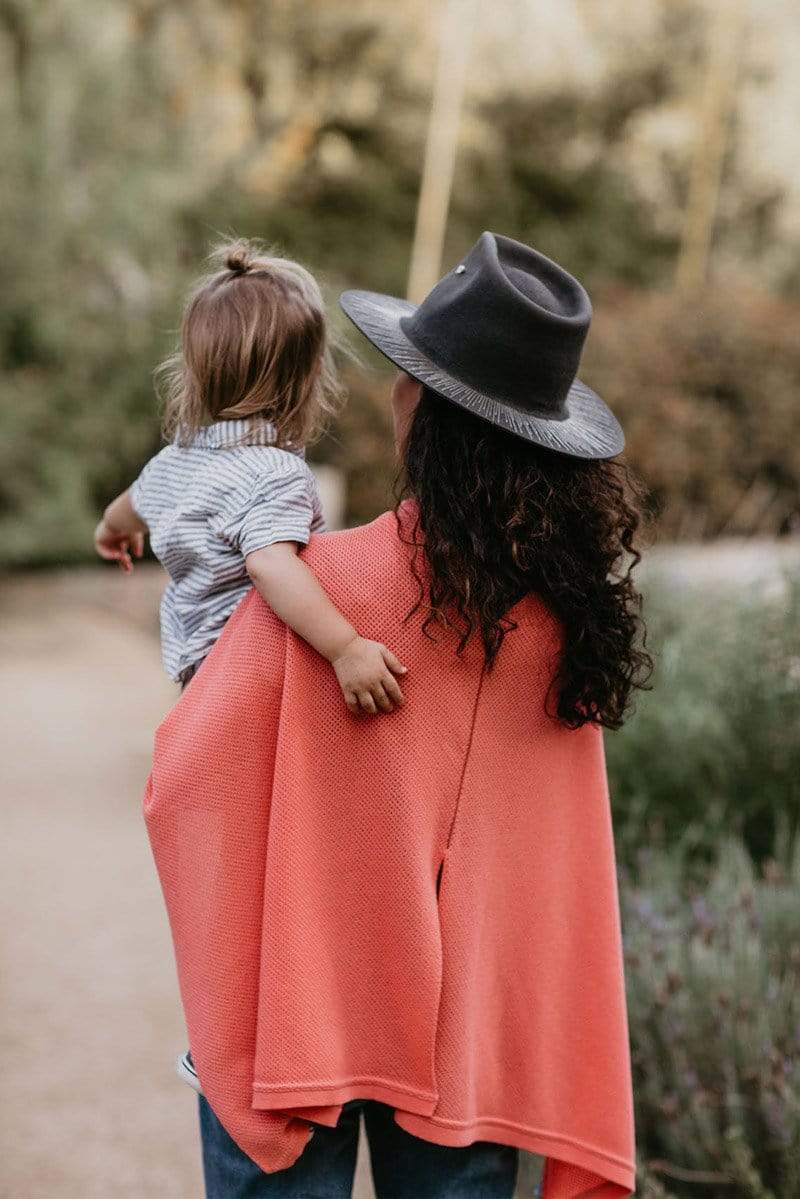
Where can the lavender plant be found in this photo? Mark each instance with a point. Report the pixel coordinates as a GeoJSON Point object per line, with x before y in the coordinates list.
{"type": "Point", "coordinates": [713, 974]}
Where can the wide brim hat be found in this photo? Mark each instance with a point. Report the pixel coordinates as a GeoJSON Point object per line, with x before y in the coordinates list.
{"type": "Point", "coordinates": [501, 335]}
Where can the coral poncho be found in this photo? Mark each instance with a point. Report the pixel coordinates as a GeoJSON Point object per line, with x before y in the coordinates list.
{"type": "Point", "coordinates": [418, 908]}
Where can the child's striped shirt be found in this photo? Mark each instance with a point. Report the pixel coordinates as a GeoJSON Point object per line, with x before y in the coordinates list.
{"type": "Point", "coordinates": [207, 506]}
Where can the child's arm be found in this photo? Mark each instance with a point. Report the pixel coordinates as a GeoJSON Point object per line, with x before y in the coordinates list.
{"type": "Point", "coordinates": [365, 669]}
{"type": "Point", "coordinates": [120, 532]}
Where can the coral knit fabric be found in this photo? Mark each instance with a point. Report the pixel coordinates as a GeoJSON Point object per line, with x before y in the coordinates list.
{"type": "Point", "coordinates": [418, 908]}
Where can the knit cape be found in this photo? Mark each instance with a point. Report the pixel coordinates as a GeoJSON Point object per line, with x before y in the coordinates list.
{"type": "Point", "coordinates": [418, 908]}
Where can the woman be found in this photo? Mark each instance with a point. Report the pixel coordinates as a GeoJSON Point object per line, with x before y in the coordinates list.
{"type": "Point", "coordinates": [416, 915]}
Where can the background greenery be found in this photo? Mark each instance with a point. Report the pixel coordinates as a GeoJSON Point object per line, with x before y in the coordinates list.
{"type": "Point", "coordinates": [714, 745]}
{"type": "Point", "coordinates": [122, 165]}
{"type": "Point", "coordinates": [713, 980]}
{"type": "Point", "coordinates": [706, 785]}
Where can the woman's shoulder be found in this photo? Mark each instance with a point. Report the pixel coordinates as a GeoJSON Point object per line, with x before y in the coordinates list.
{"type": "Point", "coordinates": [367, 573]}
{"type": "Point", "coordinates": [372, 553]}
{"type": "Point", "coordinates": [372, 541]}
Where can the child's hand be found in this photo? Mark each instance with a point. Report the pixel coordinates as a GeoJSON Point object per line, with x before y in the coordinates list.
{"type": "Point", "coordinates": [365, 670]}
{"type": "Point", "coordinates": [116, 546]}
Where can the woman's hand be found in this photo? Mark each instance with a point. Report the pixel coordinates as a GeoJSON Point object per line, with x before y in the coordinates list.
{"type": "Point", "coordinates": [365, 670]}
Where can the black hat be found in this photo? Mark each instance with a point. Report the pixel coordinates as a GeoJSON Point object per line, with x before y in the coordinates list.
{"type": "Point", "coordinates": [500, 335]}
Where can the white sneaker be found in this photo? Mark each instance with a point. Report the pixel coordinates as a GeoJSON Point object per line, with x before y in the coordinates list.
{"type": "Point", "coordinates": [184, 1068]}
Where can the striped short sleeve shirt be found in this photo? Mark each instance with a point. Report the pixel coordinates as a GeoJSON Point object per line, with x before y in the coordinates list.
{"type": "Point", "coordinates": [207, 506]}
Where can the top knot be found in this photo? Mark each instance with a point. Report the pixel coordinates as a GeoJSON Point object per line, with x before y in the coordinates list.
{"type": "Point", "coordinates": [239, 258]}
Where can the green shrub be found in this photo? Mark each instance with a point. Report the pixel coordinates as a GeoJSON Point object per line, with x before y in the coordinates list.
{"type": "Point", "coordinates": [713, 979]}
{"type": "Point", "coordinates": [706, 391]}
{"type": "Point", "coordinates": [94, 270]}
{"type": "Point", "coordinates": [714, 748]}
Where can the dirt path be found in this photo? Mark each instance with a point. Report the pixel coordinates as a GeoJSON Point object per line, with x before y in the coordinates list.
{"type": "Point", "coordinates": [90, 1019]}
{"type": "Point", "coordinates": [90, 1013]}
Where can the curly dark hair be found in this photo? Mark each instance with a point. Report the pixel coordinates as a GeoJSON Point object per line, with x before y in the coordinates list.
{"type": "Point", "coordinates": [500, 517]}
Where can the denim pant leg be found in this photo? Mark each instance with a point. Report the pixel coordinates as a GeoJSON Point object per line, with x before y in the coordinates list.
{"type": "Point", "coordinates": [405, 1167]}
{"type": "Point", "coordinates": [324, 1169]}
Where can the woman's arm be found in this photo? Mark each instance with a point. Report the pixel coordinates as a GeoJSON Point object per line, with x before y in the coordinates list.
{"type": "Point", "coordinates": [365, 669]}
{"type": "Point", "coordinates": [120, 533]}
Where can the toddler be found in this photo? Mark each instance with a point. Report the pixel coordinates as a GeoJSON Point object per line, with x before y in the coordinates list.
{"type": "Point", "coordinates": [230, 500]}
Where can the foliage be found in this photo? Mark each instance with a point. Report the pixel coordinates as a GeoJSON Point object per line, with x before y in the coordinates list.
{"type": "Point", "coordinates": [122, 163]}
{"type": "Point", "coordinates": [89, 250]}
{"type": "Point", "coordinates": [714, 747]}
{"type": "Point", "coordinates": [548, 175]}
{"type": "Point", "coordinates": [519, 175]}
{"type": "Point", "coordinates": [713, 978]}
{"type": "Point", "coordinates": [707, 393]}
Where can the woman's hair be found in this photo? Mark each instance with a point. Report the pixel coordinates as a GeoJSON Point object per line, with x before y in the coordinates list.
{"type": "Point", "coordinates": [254, 343]}
{"type": "Point", "coordinates": [500, 517]}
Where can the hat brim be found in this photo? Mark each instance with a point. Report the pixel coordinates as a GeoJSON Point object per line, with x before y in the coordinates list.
{"type": "Point", "coordinates": [588, 429]}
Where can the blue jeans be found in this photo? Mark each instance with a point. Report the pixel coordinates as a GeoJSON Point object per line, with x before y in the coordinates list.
{"type": "Point", "coordinates": [403, 1166]}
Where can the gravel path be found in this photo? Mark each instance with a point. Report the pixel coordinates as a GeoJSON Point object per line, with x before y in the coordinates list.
{"type": "Point", "coordinates": [90, 1013]}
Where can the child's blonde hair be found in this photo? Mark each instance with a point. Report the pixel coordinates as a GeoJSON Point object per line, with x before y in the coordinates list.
{"type": "Point", "coordinates": [254, 343]}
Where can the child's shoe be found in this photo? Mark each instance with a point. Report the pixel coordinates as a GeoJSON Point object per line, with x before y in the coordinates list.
{"type": "Point", "coordinates": [184, 1068]}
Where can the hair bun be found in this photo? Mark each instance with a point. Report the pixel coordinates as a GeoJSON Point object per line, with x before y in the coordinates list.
{"type": "Point", "coordinates": [239, 258]}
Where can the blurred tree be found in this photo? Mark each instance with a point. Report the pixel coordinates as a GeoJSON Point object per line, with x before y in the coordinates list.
{"type": "Point", "coordinates": [546, 175]}
{"type": "Point", "coordinates": [134, 132]}
{"type": "Point", "coordinates": [90, 250]}
{"type": "Point", "coordinates": [707, 393]}
{"type": "Point", "coordinates": [721, 72]}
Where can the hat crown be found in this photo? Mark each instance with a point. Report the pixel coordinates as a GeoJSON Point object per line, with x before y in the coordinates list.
{"type": "Point", "coordinates": [508, 322]}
